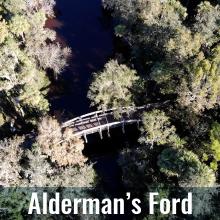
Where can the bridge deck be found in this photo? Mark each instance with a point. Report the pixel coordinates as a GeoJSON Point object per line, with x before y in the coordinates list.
{"type": "Point", "coordinates": [104, 120]}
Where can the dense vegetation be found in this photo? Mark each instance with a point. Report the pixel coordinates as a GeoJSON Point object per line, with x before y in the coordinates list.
{"type": "Point", "coordinates": [35, 151]}
{"type": "Point", "coordinates": [172, 54]}
{"type": "Point", "coordinates": [29, 54]}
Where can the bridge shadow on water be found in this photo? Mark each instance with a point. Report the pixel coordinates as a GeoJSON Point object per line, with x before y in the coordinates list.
{"type": "Point", "coordinates": [104, 154]}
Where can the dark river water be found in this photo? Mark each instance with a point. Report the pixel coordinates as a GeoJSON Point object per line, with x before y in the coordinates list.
{"type": "Point", "coordinates": [83, 26]}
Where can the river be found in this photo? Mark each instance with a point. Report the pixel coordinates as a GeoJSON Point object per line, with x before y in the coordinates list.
{"type": "Point", "coordinates": [83, 26]}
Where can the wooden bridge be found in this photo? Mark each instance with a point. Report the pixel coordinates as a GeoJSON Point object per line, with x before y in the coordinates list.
{"type": "Point", "coordinates": [99, 121]}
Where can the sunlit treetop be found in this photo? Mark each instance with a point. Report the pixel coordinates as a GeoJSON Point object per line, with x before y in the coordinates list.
{"type": "Point", "coordinates": [207, 22]}
{"type": "Point", "coordinates": [148, 11]}
{"type": "Point", "coordinates": [27, 51]}
{"type": "Point", "coordinates": [27, 6]}
{"type": "Point", "coordinates": [112, 87]}
{"type": "Point", "coordinates": [158, 130]}
{"type": "Point", "coordinates": [201, 89]}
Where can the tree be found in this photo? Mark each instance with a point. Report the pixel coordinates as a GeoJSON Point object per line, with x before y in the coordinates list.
{"type": "Point", "coordinates": [13, 6]}
{"type": "Point", "coordinates": [166, 76]}
{"type": "Point", "coordinates": [10, 156]}
{"type": "Point", "coordinates": [60, 144]}
{"type": "Point", "coordinates": [147, 25]}
{"type": "Point", "coordinates": [19, 25]}
{"type": "Point", "coordinates": [150, 12]}
{"type": "Point", "coordinates": [69, 152]}
{"type": "Point", "coordinates": [158, 36]}
{"type": "Point", "coordinates": [16, 200]}
{"type": "Point", "coordinates": [183, 45]}
{"type": "Point", "coordinates": [76, 176]}
{"type": "Point", "coordinates": [33, 166]}
{"type": "Point", "coordinates": [207, 22]}
{"type": "Point", "coordinates": [49, 55]}
{"type": "Point", "coordinates": [26, 46]}
{"type": "Point", "coordinates": [215, 140]}
{"type": "Point", "coordinates": [8, 63]}
{"type": "Point", "coordinates": [112, 87]}
{"type": "Point", "coordinates": [200, 90]}
{"type": "Point", "coordinates": [211, 151]}
{"type": "Point", "coordinates": [40, 172]}
{"type": "Point", "coordinates": [186, 166]}
{"type": "Point", "coordinates": [158, 129]}
{"type": "Point", "coordinates": [53, 57]}
{"type": "Point", "coordinates": [47, 6]}
{"type": "Point", "coordinates": [198, 81]}
{"type": "Point", "coordinates": [49, 132]}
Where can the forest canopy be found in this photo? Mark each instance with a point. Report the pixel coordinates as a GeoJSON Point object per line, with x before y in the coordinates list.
{"type": "Point", "coordinates": [170, 54]}
{"type": "Point", "coordinates": [35, 151]}
{"type": "Point", "coordinates": [28, 51]}
{"type": "Point", "coordinates": [174, 49]}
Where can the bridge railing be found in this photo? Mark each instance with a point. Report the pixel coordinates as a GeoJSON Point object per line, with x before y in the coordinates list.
{"type": "Point", "coordinates": [105, 113]}
{"type": "Point", "coordinates": [100, 113]}
{"type": "Point", "coordinates": [101, 120]}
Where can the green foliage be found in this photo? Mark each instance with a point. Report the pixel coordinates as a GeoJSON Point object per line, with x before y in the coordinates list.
{"type": "Point", "coordinates": [19, 25]}
{"type": "Point", "coordinates": [187, 167]}
{"type": "Point", "coordinates": [163, 193]}
{"type": "Point", "coordinates": [201, 89]}
{"type": "Point", "coordinates": [207, 22]}
{"type": "Point", "coordinates": [178, 58]}
{"type": "Point", "coordinates": [183, 44]}
{"type": "Point", "coordinates": [215, 140]}
{"type": "Point", "coordinates": [40, 172]}
{"type": "Point", "coordinates": [149, 11]}
{"type": "Point", "coordinates": [214, 165]}
{"type": "Point", "coordinates": [15, 201]}
{"type": "Point", "coordinates": [180, 53]}
{"type": "Point", "coordinates": [149, 24]}
{"type": "Point", "coordinates": [26, 46]}
{"type": "Point", "coordinates": [156, 32]}
{"type": "Point", "coordinates": [158, 129]}
{"type": "Point", "coordinates": [198, 81]}
{"type": "Point", "coordinates": [112, 87]}
{"type": "Point", "coordinates": [120, 30]}
{"type": "Point", "coordinates": [166, 76]}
